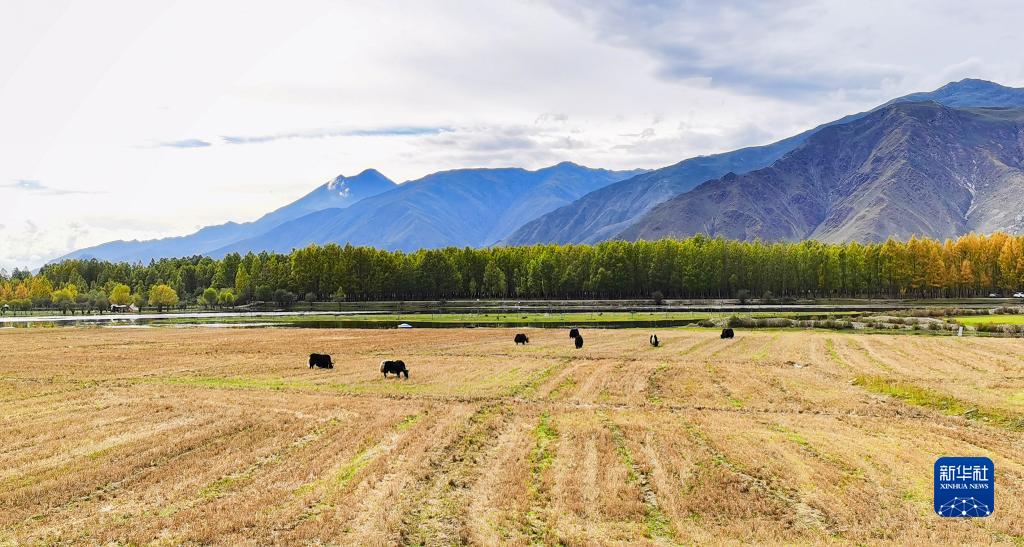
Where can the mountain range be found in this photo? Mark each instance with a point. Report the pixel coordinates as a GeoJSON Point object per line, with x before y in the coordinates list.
{"type": "Point", "coordinates": [907, 169]}
{"type": "Point", "coordinates": [464, 207]}
{"type": "Point", "coordinates": [338, 192]}
{"type": "Point", "coordinates": [938, 163]}
{"type": "Point", "coordinates": [608, 212]}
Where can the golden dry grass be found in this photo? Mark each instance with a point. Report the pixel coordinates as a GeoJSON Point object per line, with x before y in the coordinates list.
{"type": "Point", "coordinates": [219, 436]}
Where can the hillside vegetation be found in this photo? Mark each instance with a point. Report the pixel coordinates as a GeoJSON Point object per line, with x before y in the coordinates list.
{"type": "Point", "coordinates": [697, 267]}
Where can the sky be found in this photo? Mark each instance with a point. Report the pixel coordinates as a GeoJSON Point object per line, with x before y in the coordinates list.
{"type": "Point", "coordinates": [122, 119]}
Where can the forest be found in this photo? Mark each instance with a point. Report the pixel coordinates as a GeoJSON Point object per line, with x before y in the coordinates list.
{"type": "Point", "coordinates": [694, 268]}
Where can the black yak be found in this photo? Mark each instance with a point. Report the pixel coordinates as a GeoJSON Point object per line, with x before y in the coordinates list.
{"type": "Point", "coordinates": [654, 340]}
{"type": "Point", "coordinates": [727, 333]}
{"type": "Point", "coordinates": [522, 339]}
{"type": "Point", "coordinates": [573, 333]}
{"type": "Point", "coordinates": [320, 361]}
{"type": "Point", "coordinates": [579, 341]}
{"type": "Point", "coordinates": [394, 367]}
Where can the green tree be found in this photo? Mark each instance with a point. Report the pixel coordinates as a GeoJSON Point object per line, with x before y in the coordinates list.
{"type": "Point", "coordinates": [339, 295]}
{"type": "Point", "coordinates": [657, 297]}
{"type": "Point", "coordinates": [226, 270]}
{"type": "Point", "coordinates": [494, 284]}
{"type": "Point", "coordinates": [189, 279]}
{"type": "Point", "coordinates": [264, 293]}
{"type": "Point", "coordinates": [209, 297]}
{"type": "Point", "coordinates": [697, 267]}
{"type": "Point", "coordinates": [21, 304]}
{"type": "Point", "coordinates": [243, 284]}
{"type": "Point", "coordinates": [64, 298]}
{"type": "Point", "coordinates": [81, 302]}
{"type": "Point", "coordinates": [98, 300]}
{"type": "Point", "coordinates": [284, 298]}
{"type": "Point", "coordinates": [226, 297]}
{"type": "Point", "coordinates": [743, 295]}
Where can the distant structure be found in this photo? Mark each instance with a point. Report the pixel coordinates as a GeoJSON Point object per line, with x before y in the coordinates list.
{"type": "Point", "coordinates": [124, 308]}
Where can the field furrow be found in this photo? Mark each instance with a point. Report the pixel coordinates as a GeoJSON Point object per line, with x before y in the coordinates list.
{"type": "Point", "coordinates": [131, 436]}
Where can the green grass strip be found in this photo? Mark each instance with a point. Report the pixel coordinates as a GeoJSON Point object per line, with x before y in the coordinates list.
{"type": "Point", "coordinates": [927, 398]}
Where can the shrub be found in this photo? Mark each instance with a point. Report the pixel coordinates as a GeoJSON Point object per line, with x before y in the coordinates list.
{"type": "Point", "coordinates": [833, 324]}
{"type": "Point", "coordinates": [745, 322]}
{"type": "Point", "coordinates": [775, 322]}
{"type": "Point", "coordinates": [743, 295]}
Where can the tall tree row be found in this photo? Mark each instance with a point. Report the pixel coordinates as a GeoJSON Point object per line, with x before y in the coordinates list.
{"type": "Point", "coordinates": [698, 267]}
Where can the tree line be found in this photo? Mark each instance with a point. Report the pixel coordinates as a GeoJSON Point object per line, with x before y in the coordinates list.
{"type": "Point", "coordinates": [697, 267]}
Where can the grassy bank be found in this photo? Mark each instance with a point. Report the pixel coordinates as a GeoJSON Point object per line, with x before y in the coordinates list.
{"type": "Point", "coordinates": [989, 319]}
{"type": "Point", "coordinates": [542, 319]}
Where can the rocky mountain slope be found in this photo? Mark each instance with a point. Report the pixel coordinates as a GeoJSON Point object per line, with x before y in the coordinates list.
{"type": "Point", "coordinates": [609, 211]}
{"type": "Point", "coordinates": [905, 169]}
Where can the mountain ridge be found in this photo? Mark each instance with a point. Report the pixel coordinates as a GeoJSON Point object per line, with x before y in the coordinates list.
{"type": "Point", "coordinates": [604, 214]}
{"type": "Point", "coordinates": [367, 183]}
{"type": "Point", "coordinates": [913, 168]}
{"type": "Point", "coordinates": [562, 203]}
{"type": "Point", "coordinates": [457, 207]}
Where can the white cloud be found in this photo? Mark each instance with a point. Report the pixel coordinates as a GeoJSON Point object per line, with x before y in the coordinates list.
{"type": "Point", "coordinates": [799, 50]}
{"type": "Point", "coordinates": [169, 116]}
{"type": "Point", "coordinates": [185, 143]}
{"type": "Point", "coordinates": [327, 133]}
{"type": "Point", "coordinates": [34, 186]}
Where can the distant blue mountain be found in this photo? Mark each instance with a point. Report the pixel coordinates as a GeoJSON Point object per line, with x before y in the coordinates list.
{"type": "Point", "coordinates": [607, 212]}
{"type": "Point", "coordinates": [339, 192]}
{"type": "Point", "coordinates": [472, 207]}
{"type": "Point", "coordinates": [465, 207]}
{"type": "Point", "coordinates": [565, 203]}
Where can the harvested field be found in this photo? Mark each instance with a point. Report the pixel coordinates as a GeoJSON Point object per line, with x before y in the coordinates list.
{"type": "Point", "coordinates": [225, 436]}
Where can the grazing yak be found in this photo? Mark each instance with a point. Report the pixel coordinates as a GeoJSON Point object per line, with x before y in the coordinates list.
{"type": "Point", "coordinates": [573, 333]}
{"type": "Point", "coordinates": [522, 339]}
{"type": "Point", "coordinates": [579, 341]}
{"type": "Point", "coordinates": [394, 367]}
{"type": "Point", "coordinates": [727, 333]}
{"type": "Point", "coordinates": [654, 340]}
{"type": "Point", "coordinates": [320, 361]}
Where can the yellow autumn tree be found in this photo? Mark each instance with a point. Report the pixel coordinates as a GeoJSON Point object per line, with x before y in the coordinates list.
{"type": "Point", "coordinates": [121, 294]}
{"type": "Point", "coordinates": [161, 296]}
